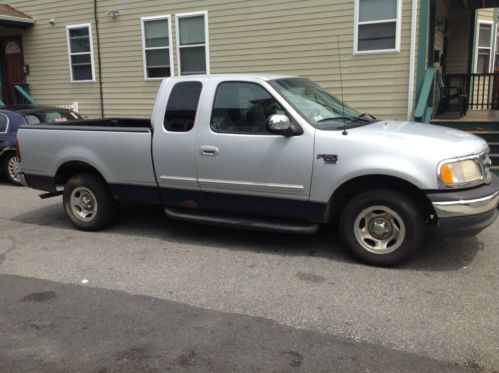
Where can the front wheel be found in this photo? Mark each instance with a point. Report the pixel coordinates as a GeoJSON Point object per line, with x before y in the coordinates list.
{"type": "Point", "coordinates": [12, 168]}
{"type": "Point", "coordinates": [88, 203]}
{"type": "Point", "coordinates": [382, 227]}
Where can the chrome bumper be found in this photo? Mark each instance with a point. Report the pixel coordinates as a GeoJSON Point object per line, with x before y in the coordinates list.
{"type": "Point", "coordinates": [448, 209]}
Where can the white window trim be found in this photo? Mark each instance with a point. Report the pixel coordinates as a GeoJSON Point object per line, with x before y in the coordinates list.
{"type": "Point", "coordinates": [477, 47]}
{"type": "Point", "coordinates": [91, 42]}
{"type": "Point", "coordinates": [398, 31]}
{"type": "Point", "coordinates": [206, 38]}
{"type": "Point", "coordinates": [170, 44]}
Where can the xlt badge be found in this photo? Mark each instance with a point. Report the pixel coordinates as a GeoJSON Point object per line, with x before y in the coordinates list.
{"type": "Point", "coordinates": [328, 158]}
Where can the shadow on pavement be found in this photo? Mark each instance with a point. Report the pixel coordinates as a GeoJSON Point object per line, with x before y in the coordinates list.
{"type": "Point", "coordinates": [149, 221]}
{"type": "Point", "coordinates": [51, 327]}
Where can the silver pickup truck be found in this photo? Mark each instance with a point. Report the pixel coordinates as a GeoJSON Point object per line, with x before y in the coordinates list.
{"type": "Point", "coordinates": [276, 153]}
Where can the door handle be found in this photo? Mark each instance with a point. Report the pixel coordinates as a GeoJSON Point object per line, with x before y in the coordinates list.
{"type": "Point", "coordinates": [209, 150]}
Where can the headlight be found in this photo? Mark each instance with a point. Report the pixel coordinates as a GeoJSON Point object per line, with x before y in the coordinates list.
{"type": "Point", "coordinates": [461, 173]}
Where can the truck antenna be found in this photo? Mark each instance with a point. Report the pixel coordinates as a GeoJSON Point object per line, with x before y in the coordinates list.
{"type": "Point", "coordinates": [345, 132]}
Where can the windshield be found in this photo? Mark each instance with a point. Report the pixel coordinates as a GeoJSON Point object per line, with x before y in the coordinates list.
{"type": "Point", "coordinates": [321, 109]}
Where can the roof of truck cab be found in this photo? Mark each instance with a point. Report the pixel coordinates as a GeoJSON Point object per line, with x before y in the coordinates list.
{"type": "Point", "coordinates": [232, 76]}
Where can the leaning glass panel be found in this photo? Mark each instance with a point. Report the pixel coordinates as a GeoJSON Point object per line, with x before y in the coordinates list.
{"type": "Point", "coordinates": [377, 36]}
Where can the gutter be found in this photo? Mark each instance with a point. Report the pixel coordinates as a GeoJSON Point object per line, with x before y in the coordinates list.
{"type": "Point", "coordinates": [412, 60]}
{"type": "Point", "coordinates": [99, 63]}
{"type": "Point", "coordinates": [15, 19]}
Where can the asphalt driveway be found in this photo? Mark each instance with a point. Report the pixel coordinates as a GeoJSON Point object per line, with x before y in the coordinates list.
{"type": "Point", "coordinates": [153, 294]}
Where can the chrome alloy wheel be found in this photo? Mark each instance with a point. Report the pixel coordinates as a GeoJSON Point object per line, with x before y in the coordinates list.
{"type": "Point", "coordinates": [83, 204]}
{"type": "Point", "coordinates": [379, 230]}
{"type": "Point", "coordinates": [14, 169]}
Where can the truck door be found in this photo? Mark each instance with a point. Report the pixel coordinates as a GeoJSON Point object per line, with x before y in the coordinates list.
{"type": "Point", "coordinates": [173, 146]}
{"type": "Point", "coordinates": [241, 166]}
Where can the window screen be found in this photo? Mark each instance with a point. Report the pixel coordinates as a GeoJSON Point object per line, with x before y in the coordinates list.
{"type": "Point", "coordinates": [182, 106]}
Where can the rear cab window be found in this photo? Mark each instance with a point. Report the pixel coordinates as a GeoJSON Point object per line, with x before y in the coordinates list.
{"type": "Point", "coordinates": [182, 107]}
{"type": "Point", "coordinates": [4, 123]}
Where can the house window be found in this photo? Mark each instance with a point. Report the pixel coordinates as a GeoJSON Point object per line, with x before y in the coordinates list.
{"type": "Point", "coordinates": [81, 53]}
{"type": "Point", "coordinates": [377, 26]}
{"type": "Point", "coordinates": [484, 47]}
{"type": "Point", "coordinates": [192, 43]}
{"type": "Point", "coordinates": [156, 46]}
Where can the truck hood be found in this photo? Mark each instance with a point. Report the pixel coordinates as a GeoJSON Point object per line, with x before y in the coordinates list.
{"type": "Point", "coordinates": [442, 141]}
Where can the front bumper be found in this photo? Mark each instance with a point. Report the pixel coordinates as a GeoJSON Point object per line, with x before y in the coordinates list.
{"type": "Point", "coordinates": [466, 212]}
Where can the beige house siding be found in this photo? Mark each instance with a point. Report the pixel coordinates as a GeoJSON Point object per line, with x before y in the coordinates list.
{"type": "Point", "coordinates": [282, 36]}
{"type": "Point", "coordinates": [46, 52]}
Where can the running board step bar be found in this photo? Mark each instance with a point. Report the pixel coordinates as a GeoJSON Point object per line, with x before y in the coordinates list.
{"type": "Point", "coordinates": [242, 222]}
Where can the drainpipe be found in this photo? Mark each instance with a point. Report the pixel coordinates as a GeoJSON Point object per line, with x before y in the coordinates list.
{"type": "Point", "coordinates": [412, 60]}
{"type": "Point", "coordinates": [99, 64]}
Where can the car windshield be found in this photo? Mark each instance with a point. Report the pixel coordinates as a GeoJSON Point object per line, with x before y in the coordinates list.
{"type": "Point", "coordinates": [49, 116]}
{"type": "Point", "coordinates": [321, 109]}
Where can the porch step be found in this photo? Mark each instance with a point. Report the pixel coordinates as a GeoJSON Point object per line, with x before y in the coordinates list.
{"type": "Point", "coordinates": [487, 131]}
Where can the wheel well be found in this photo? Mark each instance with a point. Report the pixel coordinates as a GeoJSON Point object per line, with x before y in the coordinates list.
{"type": "Point", "coordinates": [70, 169]}
{"type": "Point", "coordinates": [4, 154]}
{"type": "Point", "coordinates": [360, 184]}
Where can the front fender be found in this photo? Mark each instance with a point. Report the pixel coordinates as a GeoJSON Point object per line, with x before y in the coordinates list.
{"type": "Point", "coordinates": [327, 178]}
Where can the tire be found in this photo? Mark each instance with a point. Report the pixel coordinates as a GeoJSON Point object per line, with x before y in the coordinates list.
{"type": "Point", "coordinates": [88, 203]}
{"type": "Point", "coordinates": [12, 169]}
{"type": "Point", "coordinates": [382, 227]}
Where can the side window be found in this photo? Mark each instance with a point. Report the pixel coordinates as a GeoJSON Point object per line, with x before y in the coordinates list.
{"type": "Point", "coordinates": [182, 106]}
{"type": "Point", "coordinates": [243, 108]}
{"type": "Point", "coordinates": [3, 123]}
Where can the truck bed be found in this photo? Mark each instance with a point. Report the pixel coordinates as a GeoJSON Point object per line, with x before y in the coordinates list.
{"type": "Point", "coordinates": [105, 122]}
{"type": "Point", "coordinates": [120, 149]}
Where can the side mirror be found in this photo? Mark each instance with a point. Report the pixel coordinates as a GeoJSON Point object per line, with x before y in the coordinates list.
{"type": "Point", "coordinates": [280, 124]}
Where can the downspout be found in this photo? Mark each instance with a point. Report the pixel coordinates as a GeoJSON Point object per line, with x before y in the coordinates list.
{"type": "Point", "coordinates": [412, 60]}
{"type": "Point", "coordinates": [99, 64]}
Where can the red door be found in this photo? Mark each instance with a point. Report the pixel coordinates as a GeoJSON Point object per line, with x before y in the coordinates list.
{"type": "Point", "coordinates": [14, 66]}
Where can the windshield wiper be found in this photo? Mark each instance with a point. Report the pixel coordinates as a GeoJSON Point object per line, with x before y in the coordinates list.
{"type": "Point", "coordinates": [340, 119]}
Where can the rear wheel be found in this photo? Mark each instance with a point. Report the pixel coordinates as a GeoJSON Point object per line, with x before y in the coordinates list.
{"type": "Point", "coordinates": [12, 168]}
{"type": "Point", "coordinates": [88, 203]}
{"type": "Point", "coordinates": [382, 227]}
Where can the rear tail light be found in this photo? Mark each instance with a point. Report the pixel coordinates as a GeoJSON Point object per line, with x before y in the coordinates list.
{"type": "Point", "coordinates": [18, 151]}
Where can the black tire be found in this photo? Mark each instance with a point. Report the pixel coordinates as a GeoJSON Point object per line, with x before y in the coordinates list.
{"type": "Point", "coordinates": [92, 192]}
{"type": "Point", "coordinates": [13, 178]}
{"type": "Point", "coordinates": [357, 221]}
